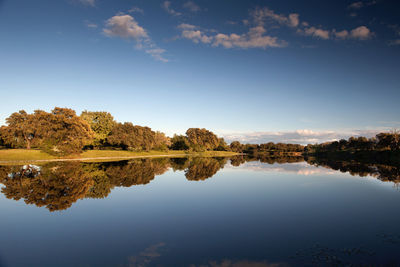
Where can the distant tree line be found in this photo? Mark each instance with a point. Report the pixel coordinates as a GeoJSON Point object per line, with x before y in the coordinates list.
{"type": "Point", "coordinates": [63, 132]}
{"type": "Point", "coordinates": [381, 142]}
{"type": "Point", "coordinates": [270, 148]}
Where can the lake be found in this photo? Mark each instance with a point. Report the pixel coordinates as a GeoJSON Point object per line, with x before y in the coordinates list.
{"type": "Point", "coordinates": [200, 212]}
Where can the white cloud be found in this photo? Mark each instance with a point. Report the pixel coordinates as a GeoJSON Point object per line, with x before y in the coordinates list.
{"type": "Point", "coordinates": [125, 26]}
{"type": "Point", "coordinates": [135, 9]}
{"type": "Point", "coordinates": [197, 36]}
{"type": "Point", "coordinates": [260, 15]}
{"type": "Point", "coordinates": [356, 5]}
{"type": "Point", "coordinates": [90, 25]}
{"type": "Point", "coordinates": [192, 6]}
{"type": "Point", "coordinates": [254, 38]}
{"type": "Point", "coordinates": [360, 4]}
{"type": "Point", "coordinates": [185, 26]}
{"type": "Point", "coordinates": [318, 33]}
{"type": "Point", "coordinates": [296, 137]}
{"type": "Point", "coordinates": [167, 7]}
{"type": "Point", "coordinates": [342, 34]}
{"type": "Point", "coordinates": [157, 53]}
{"type": "Point", "coordinates": [361, 33]}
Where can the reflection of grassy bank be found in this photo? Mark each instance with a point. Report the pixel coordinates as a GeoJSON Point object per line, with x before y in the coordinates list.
{"type": "Point", "coordinates": [12, 155]}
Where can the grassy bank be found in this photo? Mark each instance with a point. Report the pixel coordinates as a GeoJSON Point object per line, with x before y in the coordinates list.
{"type": "Point", "coordinates": [23, 155]}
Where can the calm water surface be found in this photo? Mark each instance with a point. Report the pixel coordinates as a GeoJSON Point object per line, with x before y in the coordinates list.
{"type": "Point", "coordinates": [199, 212]}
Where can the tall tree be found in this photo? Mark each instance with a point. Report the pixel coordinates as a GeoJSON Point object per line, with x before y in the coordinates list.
{"type": "Point", "coordinates": [202, 139]}
{"type": "Point", "coordinates": [101, 123]}
{"type": "Point", "coordinates": [64, 132]}
{"type": "Point", "coordinates": [179, 142]}
{"type": "Point", "coordinates": [20, 130]}
{"type": "Point", "coordinates": [132, 137]}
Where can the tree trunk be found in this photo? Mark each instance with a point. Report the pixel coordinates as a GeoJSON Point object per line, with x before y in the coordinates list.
{"type": "Point", "coordinates": [28, 144]}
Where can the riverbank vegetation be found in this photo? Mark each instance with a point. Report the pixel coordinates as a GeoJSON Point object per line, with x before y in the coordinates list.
{"type": "Point", "coordinates": [62, 132]}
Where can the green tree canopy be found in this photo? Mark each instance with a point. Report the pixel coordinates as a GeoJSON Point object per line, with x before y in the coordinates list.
{"type": "Point", "coordinates": [132, 137]}
{"type": "Point", "coordinates": [202, 139]}
{"type": "Point", "coordinates": [101, 123]}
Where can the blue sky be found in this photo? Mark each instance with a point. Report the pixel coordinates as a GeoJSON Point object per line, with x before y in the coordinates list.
{"type": "Point", "coordinates": [300, 71]}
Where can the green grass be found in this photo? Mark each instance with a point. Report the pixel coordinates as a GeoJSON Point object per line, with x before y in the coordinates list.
{"type": "Point", "coordinates": [23, 154]}
{"type": "Point", "coordinates": [12, 155]}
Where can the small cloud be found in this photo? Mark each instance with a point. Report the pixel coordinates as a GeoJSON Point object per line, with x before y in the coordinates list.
{"type": "Point", "coordinates": [167, 7]}
{"type": "Point", "coordinates": [157, 53]}
{"type": "Point", "coordinates": [192, 6]}
{"type": "Point", "coordinates": [194, 34]}
{"type": "Point", "coordinates": [136, 10]}
{"type": "Point", "coordinates": [91, 3]}
{"type": "Point", "coordinates": [305, 24]}
{"type": "Point", "coordinates": [315, 32]}
{"type": "Point", "coordinates": [185, 26]}
{"type": "Point", "coordinates": [254, 38]}
{"type": "Point", "coordinates": [125, 26]}
{"type": "Point", "coordinates": [361, 33]}
{"type": "Point", "coordinates": [260, 15]}
{"type": "Point", "coordinates": [294, 20]}
{"type": "Point", "coordinates": [356, 5]}
{"type": "Point", "coordinates": [90, 25]}
{"type": "Point", "coordinates": [341, 35]}
{"type": "Point", "coordinates": [353, 15]}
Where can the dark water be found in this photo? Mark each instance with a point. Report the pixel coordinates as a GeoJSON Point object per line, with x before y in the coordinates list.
{"type": "Point", "coordinates": [200, 212]}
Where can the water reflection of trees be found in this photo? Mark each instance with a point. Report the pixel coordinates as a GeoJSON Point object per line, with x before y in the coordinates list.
{"type": "Point", "coordinates": [385, 173]}
{"type": "Point", "coordinates": [265, 158]}
{"type": "Point", "coordinates": [57, 186]}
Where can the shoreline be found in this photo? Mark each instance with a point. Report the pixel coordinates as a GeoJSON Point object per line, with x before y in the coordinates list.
{"type": "Point", "coordinates": [4, 161]}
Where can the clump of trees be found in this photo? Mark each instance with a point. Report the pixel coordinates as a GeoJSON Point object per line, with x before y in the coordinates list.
{"type": "Point", "coordinates": [270, 148]}
{"type": "Point", "coordinates": [101, 123]}
{"type": "Point", "coordinates": [137, 138]}
{"type": "Point", "coordinates": [198, 139]}
{"type": "Point", "coordinates": [62, 132]}
{"type": "Point", "coordinates": [381, 142]}
{"type": "Point", "coordinates": [58, 132]}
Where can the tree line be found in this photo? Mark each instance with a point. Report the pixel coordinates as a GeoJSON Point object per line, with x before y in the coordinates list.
{"type": "Point", "coordinates": [62, 132]}
{"type": "Point", "coordinates": [381, 142]}
{"type": "Point", "coordinates": [270, 147]}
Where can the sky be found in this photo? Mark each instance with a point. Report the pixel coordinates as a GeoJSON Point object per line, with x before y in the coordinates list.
{"type": "Point", "coordinates": [256, 71]}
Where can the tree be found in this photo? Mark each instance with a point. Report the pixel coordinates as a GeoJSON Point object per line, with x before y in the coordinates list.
{"type": "Point", "coordinates": [20, 130]}
{"type": "Point", "coordinates": [161, 141]}
{"type": "Point", "coordinates": [222, 146]}
{"type": "Point", "coordinates": [202, 139]}
{"type": "Point", "coordinates": [132, 137]}
{"type": "Point", "coordinates": [101, 123]}
{"type": "Point", "coordinates": [2, 143]}
{"type": "Point", "coordinates": [63, 132]}
{"type": "Point", "coordinates": [179, 142]}
{"type": "Point", "coordinates": [388, 141]}
{"type": "Point", "coordinates": [236, 146]}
